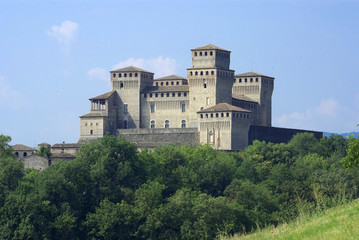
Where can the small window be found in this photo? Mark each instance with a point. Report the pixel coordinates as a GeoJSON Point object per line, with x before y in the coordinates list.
{"type": "Point", "coordinates": [136, 74]}
{"type": "Point", "coordinates": [152, 108]}
{"type": "Point", "coordinates": [196, 73]}
{"type": "Point", "coordinates": [184, 123]}
{"type": "Point", "coordinates": [145, 95]}
{"type": "Point", "coordinates": [114, 75]}
{"type": "Point", "coordinates": [153, 124]}
{"type": "Point", "coordinates": [125, 75]}
{"type": "Point", "coordinates": [207, 73]}
{"type": "Point", "coordinates": [161, 94]}
{"type": "Point", "coordinates": [91, 132]}
{"type": "Point", "coordinates": [205, 53]}
{"type": "Point", "coordinates": [200, 53]}
{"type": "Point", "coordinates": [210, 137]}
{"type": "Point", "coordinates": [195, 53]}
{"type": "Point", "coordinates": [227, 114]}
{"type": "Point", "coordinates": [201, 115]}
{"type": "Point", "coordinates": [216, 115]}
{"type": "Point", "coordinates": [205, 85]}
{"type": "Point", "coordinates": [240, 80]}
{"type": "Point", "coordinates": [222, 115]}
{"type": "Point", "coordinates": [173, 94]}
{"type": "Point", "coordinates": [125, 109]}
{"type": "Point", "coordinates": [166, 83]}
{"type": "Point", "coordinates": [172, 83]}
{"type": "Point", "coordinates": [183, 107]}
{"type": "Point", "coordinates": [211, 115]}
{"type": "Point", "coordinates": [185, 94]}
{"type": "Point", "coordinates": [212, 72]}
{"type": "Point", "coordinates": [130, 74]}
{"type": "Point", "coordinates": [91, 124]}
{"type": "Point", "coordinates": [157, 84]}
{"type": "Point", "coordinates": [206, 115]}
{"type": "Point", "coordinates": [179, 94]}
{"type": "Point", "coordinates": [201, 73]}
{"type": "Point", "coordinates": [191, 73]}
{"type": "Point", "coordinates": [125, 124]}
{"type": "Point", "coordinates": [161, 83]}
{"type": "Point", "coordinates": [211, 53]}
{"type": "Point", "coordinates": [119, 75]}
{"type": "Point", "coordinates": [167, 94]}
{"type": "Point", "coordinates": [256, 79]}
{"type": "Point", "coordinates": [156, 94]}
{"type": "Point", "coordinates": [17, 153]}
{"type": "Point", "coordinates": [245, 80]}
{"type": "Point", "coordinates": [25, 154]}
{"type": "Point", "coordinates": [121, 84]}
{"type": "Point", "coordinates": [251, 80]}
{"type": "Point", "coordinates": [167, 124]}
{"type": "Point", "coordinates": [177, 83]}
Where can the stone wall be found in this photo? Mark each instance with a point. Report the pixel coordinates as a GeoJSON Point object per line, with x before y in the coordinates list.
{"type": "Point", "coordinates": [275, 134]}
{"type": "Point", "coordinates": [151, 138]}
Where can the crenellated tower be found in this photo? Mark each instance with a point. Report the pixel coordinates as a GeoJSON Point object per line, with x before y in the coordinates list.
{"type": "Point", "coordinates": [210, 80]}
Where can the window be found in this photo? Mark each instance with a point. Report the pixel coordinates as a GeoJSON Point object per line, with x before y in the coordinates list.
{"type": "Point", "coordinates": [245, 80]}
{"type": "Point", "coordinates": [125, 124]}
{"type": "Point", "coordinates": [91, 132]}
{"type": "Point", "coordinates": [157, 84]}
{"type": "Point", "coordinates": [152, 108]}
{"type": "Point", "coordinates": [205, 85]}
{"type": "Point", "coordinates": [216, 115]}
{"type": "Point", "coordinates": [191, 73]}
{"type": "Point", "coordinates": [119, 75]}
{"type": "Point", "coordinates": [256, 79]}
{"type": "Point", "coordinates": [161, 94]}
{"type": "Point", "coordinates": [17, 153]}
{"type": "Point", "coordinates": [91, 124]}
{"type": "Point", "coordinates": [251, 80]}
{"type": "Point", "coordinates": [211, 115]}
{"type": "Point", "coordinates": [125, 109]}
{"type": "Point", "coordinates": [173, 94]}
{"type": "Point", "coordinates": [167, 124]}
{"type": "Point", "coordinates": [125, 75]}
{"type": "Point", "coordinates": [184, 123]}
{"type": "Point", "coordinates": [183, 107]}
{"type": "Point", "coordinates": [161, 83]}
{"type": "Point", "coordinates": [205, 53]}
{"type": "Point", "coordinates": [212, 72]}
{"type": "Point", "coordinates": [211, 53]}
{"type": "Point", "coordinates": [200, 53]}
{"type": "Point", "coordinates": [177, 83]}
{"type": "Point", "coordinates": [240, 80]}
{"type": "Point", "coordinates": [145, 95]}
{"type": "Point", "coordinates": [167, 94]}
{"type": "Point", "coordinates": [222, 115]}
{"type": "Point", "coordinates": [136, 75]}
{"type": "Point", "coordinates": [152, 124]}
{"type": "Point", "coordinates": [25, 154]}
{"type": "Point", "coordinates": [185, 94]}
{"type": "Point", "coordinates": [201, 73]}
{"type": "Point", "coordinates": [150, 94]}
{"type": "Point", "coordinates": [130, 74]}
{"type": "Point", "coordinates": [201, 115]}
{"type": "Point", "coordinates": [114, 75]}
{"type": "Point", "coordinates": [195, 53]}
{"type": "Point", "coordinates": [121, 84]}
{"type": "Point", "coordinates": [227, 114]}
{"type": "Point", "coordinates": [179, 94]}
{"type": "Point", "coordinates": [172, 83]}
{"type": "Point", "coordinates": [196, 73]}
{"type": "Point", "coordinates": [166, 83]}
{"type": "Point", "coordinates": [156, 94]}
{"type": "Point", "coordinates": [207, 73]}
{"type": "Point", "coordinates": [210, 137]}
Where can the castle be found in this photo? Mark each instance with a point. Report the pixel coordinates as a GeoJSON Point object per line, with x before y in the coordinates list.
{"type": "Point", "coordinates": [212, 105]}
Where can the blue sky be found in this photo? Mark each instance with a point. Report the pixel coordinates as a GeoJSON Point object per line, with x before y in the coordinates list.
{"type": "Point", "coordinates": [56, 54]}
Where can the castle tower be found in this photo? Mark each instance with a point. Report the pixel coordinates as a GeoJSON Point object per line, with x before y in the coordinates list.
{"type": "Point", "coordinates": [210, 80]}
{"type": "Point", "coordinates": [129, 82]}
{"type": "Point", "coordinates": [259, 88]}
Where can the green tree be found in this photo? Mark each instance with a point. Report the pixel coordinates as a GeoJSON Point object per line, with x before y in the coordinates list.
{"type": "Point", "coordinates": [44, 151]}
{"type": "Point", "coordinates": [352, 158]}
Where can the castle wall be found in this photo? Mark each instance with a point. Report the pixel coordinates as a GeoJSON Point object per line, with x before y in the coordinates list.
{"type": "Point", "coordinates": [150, 138]}
{"type": "Point", "coordinates": [276, 134]}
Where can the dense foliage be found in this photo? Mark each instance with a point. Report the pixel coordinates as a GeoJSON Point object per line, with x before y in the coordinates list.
{"type": "Point", "coordinates": [113, 191]}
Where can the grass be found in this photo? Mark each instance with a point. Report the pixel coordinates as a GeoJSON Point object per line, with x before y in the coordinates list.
{"type": "Point", "coordinates": [337, 223]}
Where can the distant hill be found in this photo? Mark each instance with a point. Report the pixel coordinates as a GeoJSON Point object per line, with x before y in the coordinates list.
{"type": "Point", "coordinates": [355, 134]}
{"type": "Point", "coordinates": [333, 224]}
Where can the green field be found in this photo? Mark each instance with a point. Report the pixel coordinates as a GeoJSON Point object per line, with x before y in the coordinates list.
{"type": "Point", "coordinates": [336, 223]}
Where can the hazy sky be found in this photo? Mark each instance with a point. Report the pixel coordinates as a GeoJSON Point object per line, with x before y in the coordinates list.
{"type": "Point", "coordinates": [55, 55]}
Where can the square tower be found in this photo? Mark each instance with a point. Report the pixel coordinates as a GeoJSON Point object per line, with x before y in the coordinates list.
{"type": "Point", "coordinates": [210, 80]}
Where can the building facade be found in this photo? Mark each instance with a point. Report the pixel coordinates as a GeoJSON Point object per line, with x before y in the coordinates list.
{"type": "Point", "coordinates": [212, 105]}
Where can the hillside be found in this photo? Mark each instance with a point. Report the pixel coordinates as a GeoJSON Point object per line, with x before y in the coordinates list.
{"type": "Point", "coordinates": [336, 223]}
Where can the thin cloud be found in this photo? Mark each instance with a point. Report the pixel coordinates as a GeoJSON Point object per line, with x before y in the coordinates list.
{"type": "Point", "coordinates": [160, 66]}
{"type": "Point", "coordinates": [64, 34]}
{"type": "Point", "coordinates": [98, 74]}
{"type": "Point", "coordinates": [9, 98]}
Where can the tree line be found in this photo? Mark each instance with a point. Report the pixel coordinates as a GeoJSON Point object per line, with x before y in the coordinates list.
{"type": "Point", "coordinates": [113, 191]}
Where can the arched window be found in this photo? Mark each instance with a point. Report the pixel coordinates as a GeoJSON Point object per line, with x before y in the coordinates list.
{"type": "Point", "coordinates": [245, 80]}
{"type": "Point", "coordinates": [251, 79]}
{"type": "Point", "coordinates": [121, 84]}
{"type": "Point", "coordinates": [195, 53]}
{"type": "Point", "coordinates": [167, 124]}
{"type": "Point", "coordinates": [177, 83]}
{"type": "Point", "coordinates": [201, 73]}
{"type": "Point", "coordinates": [114, 75]}
{"type": "Point", "coordinates": [172, 83]}
{"type": "Point", "coordinates": [211, 53]}
{"type": "Point", "coordinates": [206, 72]}
{"type": "Point", "coordinates": [184, 123]}
{"type": "Point", "coordinates": [161, 83]}
{"type": "Point", "coordinates": [153, 124]}
{"type": "Point", "coordinates": [156, 94]}
{"type": "Point", "coordinates": [222, 115]}
{"type": "Point", "coordinates": [167, 94]}
{"type": "Point", "coordinates": [136, 75]}
{"type": "Point", "coordinates": [216, 115]}
{"type": "Point", "coordinates": [179, 94]}
{"type": "Point", "coordinates": [205, 53]}
{"type": "Point", "coordinates": [157, 84]}
{"type": "Point", "coordinates": [210, 137]}
{"type": "Point", "coordinates": [212, 73]}
{"type": "Point", "coordinates": [173, 94]}
{"type": "Point", "coordinates": [119, 75]}
{"type": "Point", "coordinates": [161, 94]}
{"type": "Point", "coordinates": [17, 153]}
{"type": "Point", "coordinates": [25, 154]}
{"type": "Point", "coordinates": [166, 83]}
{"type": "Point", "coordinates": [196, 73]}
{"type": "Point", "coordinates": [191, 73]}
{"type": "Point", "coordinates": [200, 53]}
{"type": "Point", "coordinates": [130, 74]}
{"type": "Point", "coordinates": [125, 75]}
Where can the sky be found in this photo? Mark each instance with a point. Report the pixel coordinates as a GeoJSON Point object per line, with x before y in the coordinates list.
{"type": "Point", "coordinates": [56, 54]}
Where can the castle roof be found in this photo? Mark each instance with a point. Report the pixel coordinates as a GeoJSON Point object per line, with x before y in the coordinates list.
{"type": "Point", "coordinates": [171, 77]}
{"type": "Point", "coordinates": [178, 88]}
{"type": "Point", "coordinates": [209, 47]}
{"type": "Point", "coordinates": [22, 147]}
{"type": "Point", "coordinates": [130, 69]}
{"type": "Point", "coordinates": [66, 145]}
{"type": "Point", "coordinates": [95, 114]}
{"type": "Point", "coordinates": [103, 96]}
{"type": "Point", "coordinates": [243, 98]}
{"type": "Point", "coordinates": [224, 107]}
{"type": "Point", "coordinates": [252, 74]}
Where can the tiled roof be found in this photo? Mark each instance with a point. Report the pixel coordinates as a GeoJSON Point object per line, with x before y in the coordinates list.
{"type": "Point", "coordinates": [130, 69]}
{"type": "Point", "coordinates": [66, 145]}
{"type": "Point", "coordinates": [178, 88]}
{"type": "Point", "coordinates": [103, 96]}
{"type": "Point", "coordinates": [95, 114]}
{"type": "Point", "coordinates": [252, 74]}
{"type": "Point", "coordinates": [22, 147]}
{"type": "Point", "coordinates": [223, 107]}
{"type": "Point", "coordinates": [244, 98]}
{"type": "Point", "coordinates": [171, 77]}
{"type": "Point", "coordinates": [210, 47]}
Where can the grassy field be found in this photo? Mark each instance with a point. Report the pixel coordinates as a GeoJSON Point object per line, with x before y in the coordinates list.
{"type": "Point", "coordinates": [337, 223]}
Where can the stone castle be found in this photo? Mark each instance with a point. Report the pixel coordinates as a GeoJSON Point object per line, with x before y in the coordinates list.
{"type": "Point", "coordinates": [212, 105]}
